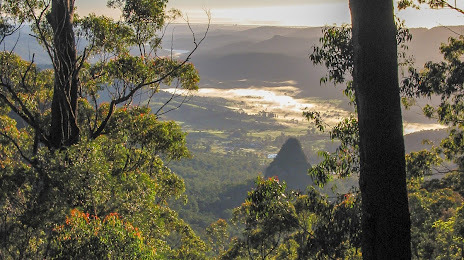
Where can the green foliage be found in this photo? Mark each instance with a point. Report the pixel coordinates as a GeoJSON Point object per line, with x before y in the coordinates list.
{"type": "Point", "coordinates": [104, 34]}
{"type": "Point", "coordinates": [84, 236]}
{"type": "Point", "coordinates": [104, 65]}
{"type": "Point", "coordinates": [419, 164]}
{"type": "Point", "coordinates": [336, 53]}
{"type": "Point", "coordinates": [146, 17]}
{"type": "Point", "coordinates": [218, 236]}
{"type": "Point", "coordinates": [344, 162]}
{"type": "Point", "coordinates": [215, 184]}
{"type": "Point", "coordinates": [120, 172]}
{"type": "Point", "coordinates": [446, 80]}
{"type": "Point", "coordinates": [267, 215]}
{"type": "Point", "coordinates": [285, 225]}
{"type": "Point", "coordinates": [115, 167]}
{"type": "Point", "coordinates": [435, 4]}
{"type": "Point", "coordinates": [430, 210]}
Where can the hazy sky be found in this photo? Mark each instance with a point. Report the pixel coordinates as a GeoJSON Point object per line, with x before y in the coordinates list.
{"type": "Point", "coordinates": [280, 12]}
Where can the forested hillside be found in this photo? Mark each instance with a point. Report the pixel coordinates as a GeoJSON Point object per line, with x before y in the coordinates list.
{"type": "Point", "coordinates": [142, 138]}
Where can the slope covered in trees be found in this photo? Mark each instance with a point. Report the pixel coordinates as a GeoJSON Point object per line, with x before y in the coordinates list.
{"type": "Point", "coordinates": [85, 170]}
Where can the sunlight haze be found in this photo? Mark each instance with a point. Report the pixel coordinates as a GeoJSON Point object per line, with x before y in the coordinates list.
{"type": "Point", "coordinates": [300, 13]}
{"type": "Point", "coordinates": [280, 13]}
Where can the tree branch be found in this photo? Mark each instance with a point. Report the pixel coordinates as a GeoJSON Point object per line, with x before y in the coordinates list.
{"type": "Point", "coordinates": [454, 7]}
{"type": "Point", "coordinates": [126, 97]}
{"type": "Point", "coordinates": [26, 115]}
{"type": "Point", "coordinates": [23, 155]}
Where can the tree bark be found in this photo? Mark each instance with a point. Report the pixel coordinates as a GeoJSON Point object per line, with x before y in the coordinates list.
{"type": "Point", "coordinates": [64, 129]}
{"type": "Point", "coordinates": [386, 221]}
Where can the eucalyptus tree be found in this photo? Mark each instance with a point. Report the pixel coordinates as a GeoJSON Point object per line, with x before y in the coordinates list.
{"type": "Point", "coordinates": [72, 136]}
{"type": "Point", "coordinates": [385, 213]}
{"type": "Point", "coordinates": [370, 56]}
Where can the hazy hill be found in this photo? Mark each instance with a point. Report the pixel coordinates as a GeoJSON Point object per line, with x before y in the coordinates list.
{"type": "Point", "coordinates": [414, 142]}
{"type": "Point", "coordinates": [235, 52]}
{"type": "Point", "coordinates": [426, 42]}
{"type": "Point", "coordinates": [256, 65]}
{"type": "Point", "coordinates": [291, 166]}
{"type": "Point", "coordinates": [277, 44]}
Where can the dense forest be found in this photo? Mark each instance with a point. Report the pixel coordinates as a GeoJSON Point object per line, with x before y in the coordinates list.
{"type": "Point", "coordinates": [91, 169]}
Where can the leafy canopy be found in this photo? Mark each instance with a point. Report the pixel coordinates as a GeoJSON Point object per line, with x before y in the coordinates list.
{"type": "Point", "coordinates": [114, 167]}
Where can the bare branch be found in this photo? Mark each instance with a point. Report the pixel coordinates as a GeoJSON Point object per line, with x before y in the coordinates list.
{"type": "Point", "coordinates": [173, 95]}
{"type": "Point", "coordinates": [11, 32]}
{"type": "Point", "coordinates": [41, 36]}
{"type": "Point", "coordinates": [453, 31]}
{"type": "Point", "coordinates": [185, 100]}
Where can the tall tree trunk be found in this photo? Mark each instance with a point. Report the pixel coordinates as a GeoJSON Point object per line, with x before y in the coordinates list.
{"type": "Point", "coordinates": [64, 130]}
{"type": "Point", "coordinates": [386, 221]}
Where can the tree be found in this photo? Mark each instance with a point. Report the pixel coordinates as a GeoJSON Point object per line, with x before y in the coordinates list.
{"type": "Point", "coordinates": [402, 4]}
{"type": "Point", "coordinates": [118, 71]}
{"type": "Point", "coordinates": [92, 149]}
{"type": "Point", "coordinates": [268, 215]}
{"type": "Point", "coordinates": [434, 204]}
{"type": "Point", "coordinates": [385, 213]}
{"type": "Point", "coordinates": [88, 237]}
{"type": "Point", "coordinates": [280, 224]}
{"type": "Point", "coordinates": [64, 129]}
{"type": "Point", "coordinates": [218, 236]}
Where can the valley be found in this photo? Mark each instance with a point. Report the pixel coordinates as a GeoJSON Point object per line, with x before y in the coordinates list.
{"type": "Point", "coordinates": [251, 100]}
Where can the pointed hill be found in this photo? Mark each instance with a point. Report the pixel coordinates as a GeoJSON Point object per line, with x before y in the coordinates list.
{"type": "Point", "coordinates": [291, 166]}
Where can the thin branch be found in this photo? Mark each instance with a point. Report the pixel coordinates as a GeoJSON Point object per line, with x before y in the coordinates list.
{"type": "Point", "coordinates": [26, 115]}
{"type": "Point", "coordinates": [41, 36]}
{"type": "Point", "coordinates": [11, 32]}
{"type": "Point", "coordinates": [23, 79]}
{"type": "Point", "coordinates": [163, 33]}
{"type": "Point", "coordinates": [185, 100]}
{"type": "Point", "coordinates": [16, 44]}
{"type": "Point", "coordinates": [275, 244]}
{"type": "Point", "coordinates": [187, 58]}
{"type": "Point", "coordinates": [102, 126]}
{"type": "Point", "coordinates": [249, 249]}
{"type": "Point", "coordinates": [454, 7]}
{"type": "Point", "coordinates": [95, 120]}
{"type": "Point", "coordinates": [173, 95]}
{"type": "Point", "coordinates": [444, 170]}
{"type": "Point", "coordinates": [29, 160]}
{"type": "Point", "coordinates": [82, 59]}
{"type": "Point", "coordinates": [453, 31]}
{"type": "Point", "coordinates": [172, 42]}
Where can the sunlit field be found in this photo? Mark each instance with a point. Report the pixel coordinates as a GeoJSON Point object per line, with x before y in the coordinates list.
{"type": "Point", "coordinates": [282, 104]}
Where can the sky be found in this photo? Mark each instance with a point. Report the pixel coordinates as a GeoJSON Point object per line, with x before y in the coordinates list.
{"type": "Point", "coordinates": [283, 13]}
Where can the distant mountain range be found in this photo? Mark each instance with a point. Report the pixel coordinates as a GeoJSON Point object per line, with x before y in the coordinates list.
{"type": "Point", "coordinates": [232, 53]}
{"type": "Point", "coordinates": [244, 56]}
{"type": "Point", "coordinates": [255, 53]}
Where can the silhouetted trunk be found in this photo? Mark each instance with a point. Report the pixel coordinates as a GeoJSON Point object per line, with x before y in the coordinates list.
{"type": "Point", "coordinates": [64, 130]}
{"type": "Point", "coordinates": [386, 221]}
